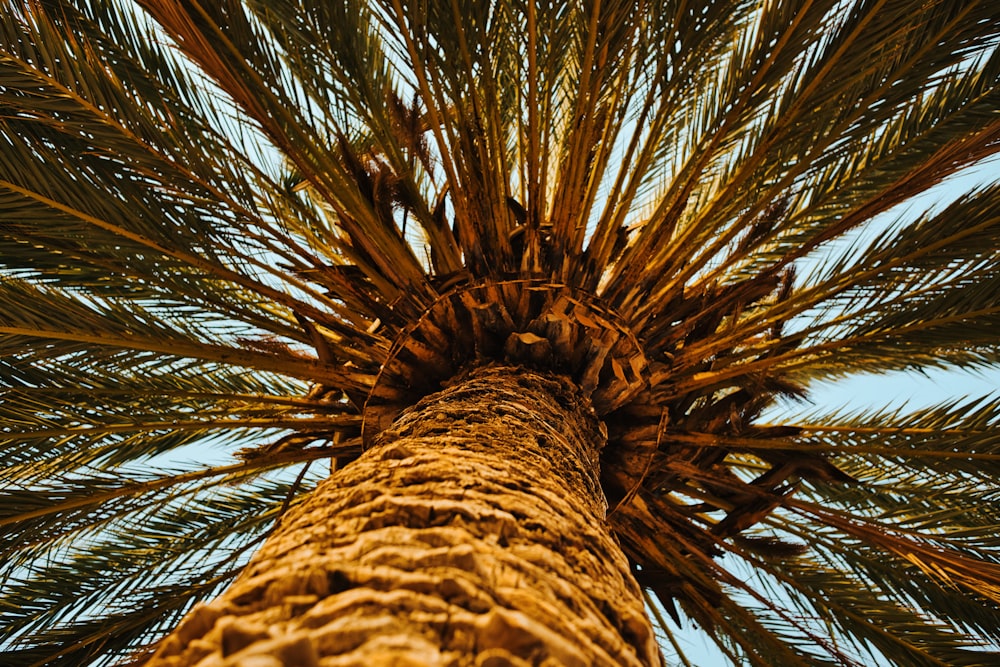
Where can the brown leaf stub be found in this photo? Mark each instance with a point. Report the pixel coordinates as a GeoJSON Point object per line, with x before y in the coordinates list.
{"type": "Point", "coordinates": [535, 323]}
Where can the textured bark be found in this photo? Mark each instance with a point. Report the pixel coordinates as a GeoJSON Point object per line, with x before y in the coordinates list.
{"type": "Point", "coordinates": [472, 533]}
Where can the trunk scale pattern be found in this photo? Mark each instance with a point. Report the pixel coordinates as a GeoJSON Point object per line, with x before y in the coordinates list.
{"type": "Point", "coordinates": [473, 532]}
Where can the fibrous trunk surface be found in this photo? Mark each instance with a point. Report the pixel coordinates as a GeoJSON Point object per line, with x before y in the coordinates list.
{"type": "Point", "coordinates": [472, 533]}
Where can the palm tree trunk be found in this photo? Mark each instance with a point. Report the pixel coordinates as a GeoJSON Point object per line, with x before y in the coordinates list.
{"type": "Point", "coordinates": [472, 533]}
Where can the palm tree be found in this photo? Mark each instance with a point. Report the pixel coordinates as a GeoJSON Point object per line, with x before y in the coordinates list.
{"type": "Point", "coordinates": [526, 283]}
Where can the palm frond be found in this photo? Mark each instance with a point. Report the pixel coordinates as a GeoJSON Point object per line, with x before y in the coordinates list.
{"type": "Point", "coordinates": [262, 229]}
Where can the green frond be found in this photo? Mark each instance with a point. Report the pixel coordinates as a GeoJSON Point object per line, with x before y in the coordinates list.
{"type": "Point", "coordinates": [143, 567]}
{"type": "Point", "coordinates": [253, 231]}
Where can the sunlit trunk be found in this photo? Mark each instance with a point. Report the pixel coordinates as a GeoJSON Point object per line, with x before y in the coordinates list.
{"type": "Point", "coordinates": [473, 532]}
